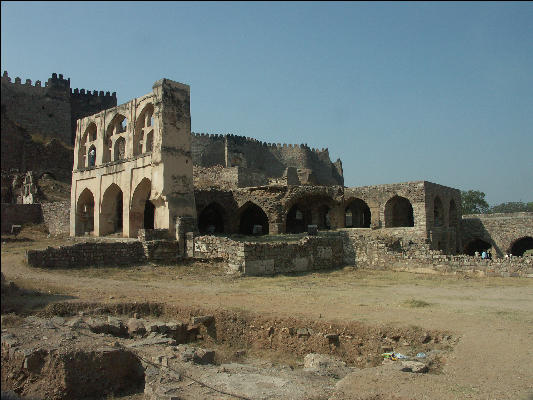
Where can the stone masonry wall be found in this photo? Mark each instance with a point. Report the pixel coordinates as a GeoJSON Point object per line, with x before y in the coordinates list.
{"type": "Point", "coordinates": [20, 214]}
{"type": "Point", "coordinates": [269, 158]}
{"type": "Point", "coordinates": [376, 250]}
{"type": "Point", "coordinates": [42, 110]}
{"type": "Point", "coordinates": [257, 258]}
{"type": "Point", "coordinates": [86, 254]}
{"type": "Point", "coordinates": [56, 216]}
{"type": "Point", "coordinates": [500, 229]}
{"type": "Point", "coordinates": [310, 253]}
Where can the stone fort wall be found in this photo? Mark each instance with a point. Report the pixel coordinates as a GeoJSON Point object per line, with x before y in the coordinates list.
{"type": "Point", "coordinates": [499, 230]}
{"type": "Point", "coordinates": [51, 110]}
{"type": "Point", "coordinates": [314, 165]}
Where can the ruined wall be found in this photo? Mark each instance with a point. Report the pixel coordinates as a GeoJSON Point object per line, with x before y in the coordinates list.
{"type": "Point", "coordinates": [56, 216]}
{"type": "Point", "coordinates": [314, 165]}
{"type": "Point", "coordinates": [20, 214]}
{"type": "Point", "coordinates": [268, 258]}
{"type": "Point", "coordinates": [500, 229]}
{"type": "Point", "coordinates": [394, 250]}
{"type": "Point", "coordinates": [88, 254]}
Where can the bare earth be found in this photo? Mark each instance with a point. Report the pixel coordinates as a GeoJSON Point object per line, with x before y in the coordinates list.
{"type": "Point", "coordinates": [492, 317]}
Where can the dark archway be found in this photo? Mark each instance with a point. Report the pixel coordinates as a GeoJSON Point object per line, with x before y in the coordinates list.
{"type": "Point", "coordinates": [520, 246]}
{"type": "Point", "coordinates": [85, 213]}
{"type": "Point", "coordinates": [211, 219]}
{"type": "Point", "coordinates": [111, 215]}
{"type": "Point", "coordinates": [149, 215]}
{"type": "Point", "coordinates": [252, 215]}
{"type": "Point", "coordinates": [357, 214]}
{"type": "Point", "coordinates": [297, 219]}
{"type": "Point", "coordinates": [141, 213]}
{"type": "Point", "coordinates": [478, 245]}
{"type": "Point", "coordinates": [398, 213]}
{"type": "Point", "coordinates": [438, 212]}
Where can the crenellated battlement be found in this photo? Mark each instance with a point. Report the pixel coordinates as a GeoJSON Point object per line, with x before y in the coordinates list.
{"type": "Point", "coordinates": [81, 93]}
{"type": "Point", "coordinates": [243, 139]}
{"type": "Point", "coordinates": [52, 108]}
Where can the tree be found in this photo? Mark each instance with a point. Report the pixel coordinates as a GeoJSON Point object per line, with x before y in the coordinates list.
{"type": "Point", "coordinates": [513, 206]}
{"type": "Point", "coordinates": [474, 202]}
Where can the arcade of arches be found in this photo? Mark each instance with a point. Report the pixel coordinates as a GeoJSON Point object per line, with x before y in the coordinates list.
{"type": "Point", "coordinates": [141, 213]}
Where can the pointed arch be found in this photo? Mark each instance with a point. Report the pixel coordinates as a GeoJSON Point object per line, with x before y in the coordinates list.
{"type": "Point", "coordinates": [251, 214]}
{"type": "Point", "coordinates": [117, 126]}
{"type": "Point", "coordinates": [144, 131]}
{"type": "Point", "coordinates": [111, 210]}
{"type": "Point", "coordinates": [119, 149]}
{"type": "Point", "coordinates": [84, 213]}
{"type": "Point", "coordinates": [211, 219]}
{"type": "Point", "coordinates": [357, 214]}
{"type": "Point", "coordinates": [87, 141]}
{"type": "Point", "coordinates": [142, 210]}
{"type": "Point", "coordinates": [398, 212]}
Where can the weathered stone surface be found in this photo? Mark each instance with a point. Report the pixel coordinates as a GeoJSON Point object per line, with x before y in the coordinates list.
{"type": "Point", "coordinates": [136, 327]}
{"type": "Point", "coordinates": [414, 366]}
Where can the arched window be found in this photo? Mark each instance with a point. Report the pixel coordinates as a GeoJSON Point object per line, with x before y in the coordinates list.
{"type": "Point", "coordinates": [85, 213]}
{"type": "Point", "coordinates": [91, 156]}
{"type": "Point", "coordinates": [87, 141]}
{"type": "Point", "coordinates": [111, 216]}
{"type": "Point", "coordinates": [120, 149]}
{"type": "Point", "coordinates": [438, 212]}
{"type": "Point", "coordinates": [117, 126]}
{"type": "Point", "coordinates": [144, 131]}
{"type": "Point", "coordinates": [521, 246]}
{"type": "Point", "coordinates": [398, 212]}
{"type": "Point", "coordinates": [250, 216]}
{"type": "Point", "coordinates": [211, 219]}
{"type": "Point", "coordinates": [357, 214]}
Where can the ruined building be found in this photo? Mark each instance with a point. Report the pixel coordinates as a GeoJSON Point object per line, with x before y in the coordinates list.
{"type": "Point", "coordinates": [138, 166]}
{"type": "Point", "coordinates": [133, 166]}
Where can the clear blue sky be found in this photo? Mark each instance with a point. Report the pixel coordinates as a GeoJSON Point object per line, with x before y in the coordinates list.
{"type": "Point", "coordinates": [400, 92]}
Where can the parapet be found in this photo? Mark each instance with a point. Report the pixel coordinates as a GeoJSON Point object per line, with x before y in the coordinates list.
{"type": "Point", "coordinates": [237, 139]}
{"type": "Point", "coordinates": [83, 93]}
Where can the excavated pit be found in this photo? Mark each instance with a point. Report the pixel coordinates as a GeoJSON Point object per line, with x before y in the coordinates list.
{"type": "Point", "coordinates": [92, 350]}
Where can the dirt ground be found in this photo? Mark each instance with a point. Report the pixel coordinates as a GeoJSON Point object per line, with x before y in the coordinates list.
{"type": "Point", "coordinates": [491, 317]}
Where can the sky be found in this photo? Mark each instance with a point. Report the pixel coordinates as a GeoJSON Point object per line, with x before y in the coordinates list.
{"type": "Point", "coordinates": [436, 91]}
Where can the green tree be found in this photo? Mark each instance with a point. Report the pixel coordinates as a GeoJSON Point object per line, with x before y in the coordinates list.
{"type": "Point", "coordinates": [474, 202]}
{"type": "Point", "coordinates": [512, 206]}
